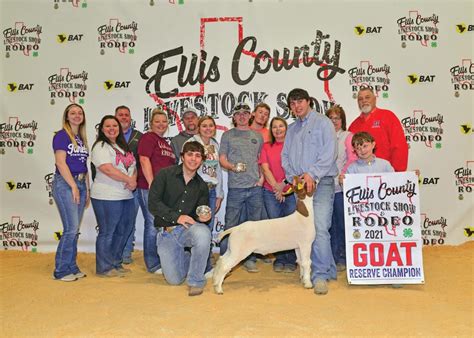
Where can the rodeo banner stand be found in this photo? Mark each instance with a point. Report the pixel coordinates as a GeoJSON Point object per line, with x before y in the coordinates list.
{"type": "Point", "coordinates": [383, 232]}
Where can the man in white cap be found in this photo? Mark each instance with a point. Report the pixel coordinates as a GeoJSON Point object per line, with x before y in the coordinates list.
{"type": "Point", "coordinates": [190, 121]}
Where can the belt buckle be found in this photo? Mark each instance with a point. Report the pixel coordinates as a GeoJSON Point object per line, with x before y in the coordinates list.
{"type": "Point", "coordinates": [81, 176]}
{"type": "Point", "coordinates": [210, 185]}
{"type": "Point", "coordinates": [170, 229]}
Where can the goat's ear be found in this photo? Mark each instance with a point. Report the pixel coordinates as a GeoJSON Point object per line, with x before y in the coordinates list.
{"type": "Point", "coordinates": [301, 208]}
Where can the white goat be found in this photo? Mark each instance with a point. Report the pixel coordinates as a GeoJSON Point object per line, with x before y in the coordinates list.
{"type": "Point", "coordinates": [295, 231]}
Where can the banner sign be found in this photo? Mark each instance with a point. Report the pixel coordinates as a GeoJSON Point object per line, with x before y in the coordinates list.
{"type": "Point", "coordinates": [383, 232]}
{"type": "Point", "coordinates": [102, 54]}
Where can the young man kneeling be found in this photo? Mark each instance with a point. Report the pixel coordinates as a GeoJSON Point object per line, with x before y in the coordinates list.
{"type": "Point", "coordinates": [174, 198]}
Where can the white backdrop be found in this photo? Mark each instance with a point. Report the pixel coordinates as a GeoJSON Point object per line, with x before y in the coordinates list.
{"type": "Point", "coordinates": [104, 53]}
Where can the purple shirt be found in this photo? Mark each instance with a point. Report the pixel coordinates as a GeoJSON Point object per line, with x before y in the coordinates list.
{"type": "Point", "coordinates": [76, 158]}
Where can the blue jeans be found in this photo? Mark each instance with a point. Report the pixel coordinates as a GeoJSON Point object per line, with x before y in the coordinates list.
{"type": "Point", "coordinates": [243, 204]}
{"type": "Point", "coordinates": [150, 251]}
{"type": "Point", "coordinates": [275, 209]}
{"type": "Point", "coordinates": [337, 231]}
{"type": "Point", "coordinates": [127, 252]}
{"type": "Point", "coordinates": [322, 261]}
{"type": "Point", "coordinates": [179, 264]}
{"type": "Point", "coordinates": [114, 219]}
{"type": "Point", "coordinates": [71, 216]}
{"type": "Point", "coordinates": [212, 205]}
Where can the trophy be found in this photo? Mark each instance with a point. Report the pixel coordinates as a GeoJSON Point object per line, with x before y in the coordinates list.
{"type": "Point", "coordinates": [240, 167]}
{"type": "Point", "coordinates": [203, 211]}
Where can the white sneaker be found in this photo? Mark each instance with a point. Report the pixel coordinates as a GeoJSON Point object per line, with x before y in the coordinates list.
{"type": "Point", "coordinates": [159, 271]}
{"type": "Point", "coordinates": [209, 274]}
{"type": "Point", "coordinates": [80, 275]}
{"type": "Point", "coordinates": [68, 278]}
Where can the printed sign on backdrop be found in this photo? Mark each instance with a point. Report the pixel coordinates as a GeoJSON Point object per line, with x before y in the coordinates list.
{"type": "Point", "coordinates": [383, 234]}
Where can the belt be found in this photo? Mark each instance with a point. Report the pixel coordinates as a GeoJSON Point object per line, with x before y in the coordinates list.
{"type": "Point", "coordinates": [80, 177]}
{"type": "Point", "coordinates": [169, 229]}
{"type": "Point", "coordinates": [211, 185]}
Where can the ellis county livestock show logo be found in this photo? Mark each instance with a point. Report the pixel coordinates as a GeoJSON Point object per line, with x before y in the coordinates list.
{"type": "Point", "coordinates": [19, 234]}
{"type": "Point", "coordinates": [382, 228]}
{"type": "Point", "coordinates": [368, 75]}
{"type": "Point", "coordinates": [424, 129]}
{"type": "Point", "coordinates": [462, 76]}
{"type": "Point", "coordinates": [418, 28]}
{"type": "Point", "coordinates": [433, 231]}
{"type": "Point", "coordinates": [248, 63]}
{"type": "Point", "coordinates": [22, 38]}
{"type": "Point", "coordinates": [73, 3]}
{"type": "Point", "coordinates": [68, 84]}
{"type": "Point", "coordinates": [18, 134]}
{"type": "Point", "coordinates": [464, 179]}
{"type": "Point", "coordinates": [48, 178]}
{"type": "Point", "coordinates": [117, 35]}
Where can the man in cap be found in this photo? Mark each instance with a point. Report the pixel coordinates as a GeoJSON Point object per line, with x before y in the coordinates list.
{"type": "Point", "coordinates": [190, 121]}
{"type": "Point", "coordinates": [238, 154]}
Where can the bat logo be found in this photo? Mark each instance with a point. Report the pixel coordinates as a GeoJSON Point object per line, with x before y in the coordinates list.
{"type": "Point", "coordinates": [359, 30]}
{"type": "Point", "coordinates": [412, 78]}
{"type": "Point", "coordinates": [61, 38]}
{"type": "Point", "coordinates": [461, 28]}
{"type": "Point", "coordinates": [468, 231]}
{"type": "Point", "coordinates": [11, 87]}
{"type": "Point", "coordinates": [58, 235]}
{"type": "Point", "coordinates": [108, 85]}
{"type": "Point", "coordinates": [10, 185]}
{"type": "Point", "coordinates": [466, 128]}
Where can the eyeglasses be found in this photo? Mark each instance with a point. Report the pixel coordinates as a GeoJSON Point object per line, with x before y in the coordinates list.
{"type": "Point", "coordinates": [335, 118]}
{"type": "Point", "coordinates": [242, 106]}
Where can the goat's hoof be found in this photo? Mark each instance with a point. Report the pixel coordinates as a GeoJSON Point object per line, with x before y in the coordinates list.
{"type": "Point", "coordinates": [218, 290]}
{"type": "Point", "coordinates": [308, 285]}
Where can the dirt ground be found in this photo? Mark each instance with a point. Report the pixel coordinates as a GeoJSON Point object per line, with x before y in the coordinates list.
{"type": "Point", "coordinates": [259, 304]}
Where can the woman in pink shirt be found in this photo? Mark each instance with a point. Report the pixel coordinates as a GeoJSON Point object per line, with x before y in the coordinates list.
{"type": "Point", "coordinates": [276, 204]}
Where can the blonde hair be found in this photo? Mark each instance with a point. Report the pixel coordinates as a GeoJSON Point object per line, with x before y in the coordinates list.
{"type": "Point", "coordinates": [158, 111]}
{"type": "Point", "coordinates": [82, 127]}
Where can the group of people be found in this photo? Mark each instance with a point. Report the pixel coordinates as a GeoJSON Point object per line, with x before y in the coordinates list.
{"type": "Point", "coordinates": [179, 186]}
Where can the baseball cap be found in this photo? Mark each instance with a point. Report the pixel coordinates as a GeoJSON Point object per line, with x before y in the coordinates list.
{"type": "Point", "coordinates": [189, 110]}
{"type": "Point", "coordinates": [241, 107]}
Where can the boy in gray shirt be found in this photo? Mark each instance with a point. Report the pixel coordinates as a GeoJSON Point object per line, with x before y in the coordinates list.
{"type": "Point", "coordinates": [238, 154]}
